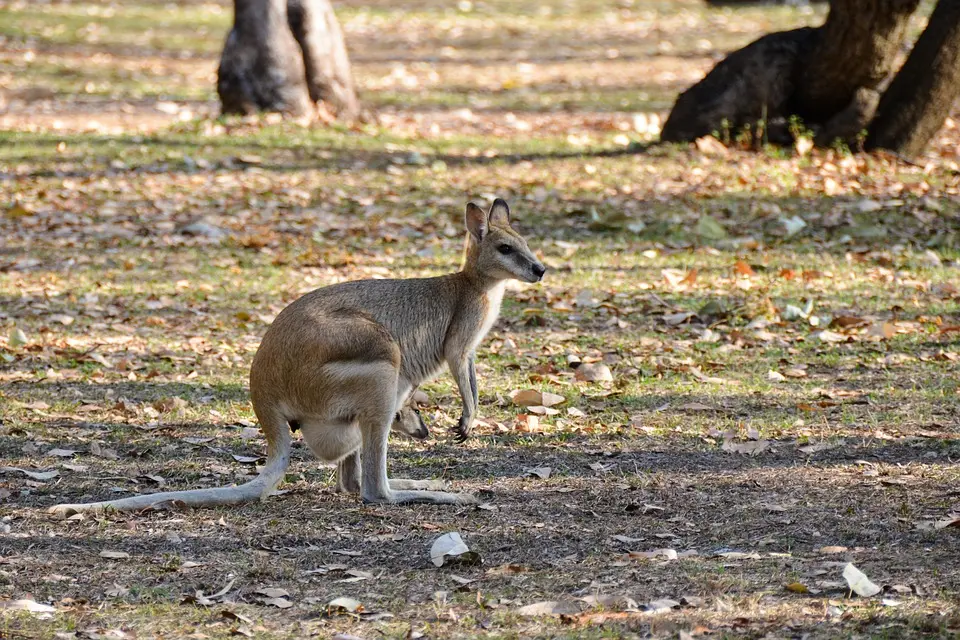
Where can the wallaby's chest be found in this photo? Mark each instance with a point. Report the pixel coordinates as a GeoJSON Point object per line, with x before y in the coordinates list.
{"type": "Point", "coordinates": [490, 311]}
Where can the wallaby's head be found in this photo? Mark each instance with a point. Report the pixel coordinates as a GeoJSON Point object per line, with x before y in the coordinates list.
{"type": "Point", "coordinates": [408, 422]}
{"type": "Point", "coordinates": [494, 250]}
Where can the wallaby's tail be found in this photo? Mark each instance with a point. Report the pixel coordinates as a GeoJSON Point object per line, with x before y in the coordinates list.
{"type": "Point", "coordinates": [278, 459]}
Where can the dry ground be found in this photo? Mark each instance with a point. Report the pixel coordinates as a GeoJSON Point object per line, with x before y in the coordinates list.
{"type": "Point", "coordinates": [781, 332]}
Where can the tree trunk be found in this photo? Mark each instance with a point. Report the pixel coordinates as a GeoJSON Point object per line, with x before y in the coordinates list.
{"type": "Point", "coordinates": [832, 76]}
{"type": "Point", "coordinates": [285, 57]}
{"type": "Point", "coordinates": [327, 66]}
{"type": "Point", "coordinates": [748, 85]}
{"type": "Point", "coordinates": [857, 46]}
{"type": "Point", "coordinates": [261, 67]}
{"type": "Point", "coordinates": [918, 100]}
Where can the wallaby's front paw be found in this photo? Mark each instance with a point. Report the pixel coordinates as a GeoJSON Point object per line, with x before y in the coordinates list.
{"type": "Point", "coordinates": [463, 428]}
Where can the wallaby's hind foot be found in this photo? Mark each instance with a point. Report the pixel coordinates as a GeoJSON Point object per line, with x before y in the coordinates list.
{"type": "Point", "coordinates": [402, 484]}
{"type": "Point", "coordinates": [396, 484]}
{"type": "Point", "coordinates": [423, 497]}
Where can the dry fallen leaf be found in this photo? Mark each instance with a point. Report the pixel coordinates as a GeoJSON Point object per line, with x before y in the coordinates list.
{"type": "Point", "coordinates": [593, 372]}
{"type": "Point", "coordinates": [882, 331]}
{"type": "Point", "coordinates": [280, 603]}
{"type": "Point", "coordinates": [526, 398]}
{"type": "Point", "coordinates": [26, 605]}
{"type": "Point", "coordinates": [540, 472]}
{"type": "Point", "coordinates": [741, 268]}
{"type": "Point", "coordinates": [661, 605]}
{"type": "Point", "coordinates": [950, 521]}
{"type": "Point", "coordinates": [114, 555]}
{"type": "Point", "coordinates": [816, 448]}
{"type": "Point", "coordinates": [549, 608]}
{"type": "Point", "coordinates": [666, 554]}
{"type": "Point", "coordinates": [451, 546]}
{"type": "Point", "coordinates": [858, 581]}
{"type": "Point", "coordinates": [62, 453]}
{"type": "Point", "coordinates": [36, 475]}
{"type": "Point", "coordinates": [797, 587]}
{"type": "Point", "coordinates": [344, 604]}
{"type": "Point", "coordinates": [751, 447]}
{"type": "Point", "coordinates": [527, 422]}
{"type": "Point", "coordinates": [832, 549]}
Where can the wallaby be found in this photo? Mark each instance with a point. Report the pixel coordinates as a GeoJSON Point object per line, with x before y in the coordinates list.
{"type": "Point", "coordinates": [340, 362]}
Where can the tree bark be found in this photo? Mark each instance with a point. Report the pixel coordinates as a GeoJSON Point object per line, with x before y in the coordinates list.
{"type": "Point", "coordinates": [261, 67]}
{"type": "Point", "coordinates": [918, 100]}
{"type": "Point", "coordinates": [286, 57]}
{"type": "Point", "coordinates": [749, 84]}
{"type": "Point", "coordinates": [326, 63]}
{"type": "Point", "coordinates": [832, 77]}
{"type": "Point", "coordinates": [857, 46]}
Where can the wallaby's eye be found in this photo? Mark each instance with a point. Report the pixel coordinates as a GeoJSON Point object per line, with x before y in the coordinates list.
{"type": "Point", "coordinates": [505, 249]}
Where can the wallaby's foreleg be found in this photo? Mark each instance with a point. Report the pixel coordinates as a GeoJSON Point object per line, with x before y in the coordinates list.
{"type": "Point", "coordinates": [465, 373]}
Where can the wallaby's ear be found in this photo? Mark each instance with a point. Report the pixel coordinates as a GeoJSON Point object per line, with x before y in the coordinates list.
{"type": "Point", "coordinates": [500, 213]}
{"type": "Point", "coordinates": [476, 220]}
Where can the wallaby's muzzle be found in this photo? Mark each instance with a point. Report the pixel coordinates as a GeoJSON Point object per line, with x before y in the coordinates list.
{"type": "Point", "coordinates": [538, 271]}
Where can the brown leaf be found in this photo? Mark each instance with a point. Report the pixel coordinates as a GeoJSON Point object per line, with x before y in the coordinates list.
{"type": "Point", "coordinates": [797, 587]}
{"type": "Point", "coordinates": [710, 146]}
{"type": "Point", "coordinates": [594, 372]}
{"type": "Point", "coordinates": [882, 331]}
{"type": "Point", "coordinates": [103, 452]}
{"type": "Point", "coordinates": [527, 398]}
{"type": "Point", "coordinates": [832, 549]}
{"type": "Point", "coordinates": [845, 322]}
{"type": "Point", "coordinates": [527, 422]}
{"type": "Point", "coordinates": [741, 268]}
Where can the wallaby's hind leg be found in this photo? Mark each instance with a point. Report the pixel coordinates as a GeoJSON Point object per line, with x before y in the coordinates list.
{"type": "Point", "coordinates": [348, 478]}
{"type": "Point", "coordinates": [375, 487]}
{"type": "Point", "coordinates": [348, 474]}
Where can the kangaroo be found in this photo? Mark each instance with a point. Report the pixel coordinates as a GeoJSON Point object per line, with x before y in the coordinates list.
{"type": "Point", "coordinates": [340, 362]}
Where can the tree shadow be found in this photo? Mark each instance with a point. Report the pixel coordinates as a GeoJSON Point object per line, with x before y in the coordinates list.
{"type": "Point", "coordinates": [312, 156]}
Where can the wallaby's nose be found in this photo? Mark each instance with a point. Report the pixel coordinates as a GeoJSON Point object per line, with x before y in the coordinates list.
{"type": "Point", "coordinates": [539, 270]}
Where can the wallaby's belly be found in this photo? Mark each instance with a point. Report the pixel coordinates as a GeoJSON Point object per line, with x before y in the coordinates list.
{"type": "Point", "coordinates": [331, 442]}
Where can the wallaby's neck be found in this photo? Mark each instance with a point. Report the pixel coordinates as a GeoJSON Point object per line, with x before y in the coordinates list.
{"type": "Point", "coordinates": [468, 269]}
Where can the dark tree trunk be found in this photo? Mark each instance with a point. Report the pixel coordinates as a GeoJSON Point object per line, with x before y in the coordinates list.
{"type": "Point", "coordinates": [832, 77]}
{"type": "Point", "coordinates": [280, 57]}
{"type": "Point", "coordinates": [917, 102]}
{"type": "Point", "coordinates": [746, 86]}
{"type": "Point", "coordinates": [856, 48]}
